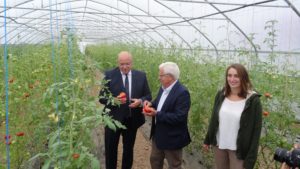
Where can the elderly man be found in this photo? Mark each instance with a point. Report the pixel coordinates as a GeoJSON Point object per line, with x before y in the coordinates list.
{"type": "Point", "coordinates": [134, 87]}
{"type": "Point", "coordinates": [169, 111]}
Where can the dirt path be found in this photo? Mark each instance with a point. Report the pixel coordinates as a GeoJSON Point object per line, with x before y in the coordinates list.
{"type": "Point", "coordinates": [142, 151]}
{"type": "Point", "coordinates": [142, 148]}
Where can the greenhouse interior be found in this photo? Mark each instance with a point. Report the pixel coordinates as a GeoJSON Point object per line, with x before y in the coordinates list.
{"type": "Point", "coordinates": [54, 55]}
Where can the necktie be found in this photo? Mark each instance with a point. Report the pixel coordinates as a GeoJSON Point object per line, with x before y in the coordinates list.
{"type": "Point", "coordinates": [127, 93]}
{"type": "Point", "coordinates": [127, 87]}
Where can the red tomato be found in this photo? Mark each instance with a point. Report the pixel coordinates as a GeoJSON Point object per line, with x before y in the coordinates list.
{"type": "Point", "coordinates": [122, 95]}
{"type": "Point", "coordinates": [19, 134]}
{"type": "Point", "coordinates": [11, 80]}
{"type": "Point", "coordinates": [123, 99]}
{"type": "Point", "coordinates": [25, 95]}
{"type": "Point", "coordinates": [265, 113]}
{"type": "Point", "coordinates": [5, 137]}
{"type": "Point", "coordinates": [75, 155]}
{"type": "Point", "coordinates": [8, 143]}
{"type": "Point", "coordinates": [268, 95]}
{"type": "Point", "coordinates": [147, 109]}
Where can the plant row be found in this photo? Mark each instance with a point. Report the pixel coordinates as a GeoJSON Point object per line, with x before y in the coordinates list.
{"type": "Point", "coordinates": [203, 76]}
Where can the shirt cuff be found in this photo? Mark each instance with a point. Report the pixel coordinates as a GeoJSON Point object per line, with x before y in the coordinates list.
{"type": "Point", "coordinates": [141, 105]}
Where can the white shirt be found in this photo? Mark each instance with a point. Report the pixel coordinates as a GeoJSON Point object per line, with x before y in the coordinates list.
{"type": "Point", "coordinates": [129, 81]}
{"type": "Point", "coordinates": [164, 96]}
{"type": "Point", "coordinates": [229, 123]}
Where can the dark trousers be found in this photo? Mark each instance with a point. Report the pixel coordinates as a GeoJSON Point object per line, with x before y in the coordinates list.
{"type": "Point", "coordinates": [111, 146]}
{"type": "Point", "coordinates": [174, 158]}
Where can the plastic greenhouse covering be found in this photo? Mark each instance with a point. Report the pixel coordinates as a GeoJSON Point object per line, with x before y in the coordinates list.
{"type": "Point", "coordinates": [188, 22]}
{"type": "Point", "coordinates": [267, 31]}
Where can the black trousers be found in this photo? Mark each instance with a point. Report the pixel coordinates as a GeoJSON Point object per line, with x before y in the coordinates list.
{"type": "Point", "coordinates": [111, 146]}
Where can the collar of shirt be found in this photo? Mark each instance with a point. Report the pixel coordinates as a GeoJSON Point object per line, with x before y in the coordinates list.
{"type": "Point", "coordinates": [168, 89]}
{"type": "Point", "coordinates": [129, 73]}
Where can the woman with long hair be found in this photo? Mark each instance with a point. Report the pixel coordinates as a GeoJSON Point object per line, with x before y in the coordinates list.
{"type": "Point", "coordinates": [236, 122]}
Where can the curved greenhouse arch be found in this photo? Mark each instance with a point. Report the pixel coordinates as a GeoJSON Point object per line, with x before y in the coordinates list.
{"type": "Point", "coordinates": [143, 32]}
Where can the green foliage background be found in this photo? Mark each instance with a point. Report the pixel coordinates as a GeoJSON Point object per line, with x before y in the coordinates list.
{"type": "Point", "coordinates": [204, 76]}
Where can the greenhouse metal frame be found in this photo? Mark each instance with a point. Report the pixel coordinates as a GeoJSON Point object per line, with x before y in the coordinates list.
{"type": "Point", "coordinates": [29, 21]}
{"type": "Point", "coordinates": [205, 35]}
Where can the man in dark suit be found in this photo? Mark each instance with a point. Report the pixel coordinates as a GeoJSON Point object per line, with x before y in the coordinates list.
{"type": "Point", "coordinates": [129, 112]}
{"type": "Point", "coordinates": [169, 111]}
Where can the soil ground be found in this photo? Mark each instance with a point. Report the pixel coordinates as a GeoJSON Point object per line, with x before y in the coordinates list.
{"type": "Point", "coordinates": [142, 150]}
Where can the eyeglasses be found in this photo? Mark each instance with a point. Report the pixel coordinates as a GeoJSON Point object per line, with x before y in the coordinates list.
{"type": "Point", "coordinates": [124, 64]}
{"type": "Point", "coordinates": [162, 75]}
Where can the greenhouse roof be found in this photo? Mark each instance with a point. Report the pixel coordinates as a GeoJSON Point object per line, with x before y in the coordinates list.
{"type": "Point", "coordinates": [209, 24]}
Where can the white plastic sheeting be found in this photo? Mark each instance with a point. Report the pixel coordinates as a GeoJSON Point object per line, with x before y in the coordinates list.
{"type": "Point", "coordinates": [215, 25]}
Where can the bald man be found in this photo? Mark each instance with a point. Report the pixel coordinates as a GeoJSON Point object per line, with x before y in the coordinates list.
{"type": "Point", "coordinates": [134, 83]}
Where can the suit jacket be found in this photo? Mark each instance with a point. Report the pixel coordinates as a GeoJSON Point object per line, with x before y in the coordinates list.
{"type": "Point", "coordinates": [169, 127]}
{"type": "Point", "coordinates": [139, 90]}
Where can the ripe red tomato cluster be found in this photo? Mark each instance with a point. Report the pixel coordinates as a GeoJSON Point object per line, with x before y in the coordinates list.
{"type": "Point", "coordinates": [8, 137]}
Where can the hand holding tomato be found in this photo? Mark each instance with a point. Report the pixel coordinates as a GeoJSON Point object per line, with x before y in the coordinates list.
{"type": "Point", "coordinates": [122, 97]}
{"type": "Point", "coordinates": [147, 110]}
{"type": "Point", "coordinates": [147, 103]}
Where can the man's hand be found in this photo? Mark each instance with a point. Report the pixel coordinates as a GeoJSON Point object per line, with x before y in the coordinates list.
{"type": "Point", "coordinates": [135, 103]}
{"type": "Point", "coordinates": [152, 113]}
{"type": "Point", "coordinates": [147, 103]}
{"type": "Point", "coordinates": [122, 98]}
{"type": "Point", "coordinates": [148, 110]}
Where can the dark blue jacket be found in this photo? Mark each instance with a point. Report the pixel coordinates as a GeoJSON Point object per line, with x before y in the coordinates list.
{"type": "Point", "coordinates": [170, 131]}
{"type": "Point", "coordinates": [139, 90]}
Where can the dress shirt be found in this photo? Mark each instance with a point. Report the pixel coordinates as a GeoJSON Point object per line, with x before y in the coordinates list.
{"type": "Point", "coordinates": [129, 81]}
{"type": "Point", "coordinates": [164, 96]}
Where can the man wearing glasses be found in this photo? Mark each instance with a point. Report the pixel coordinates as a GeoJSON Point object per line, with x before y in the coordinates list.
{"type": "Point", "coordinates": [169, 111]}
